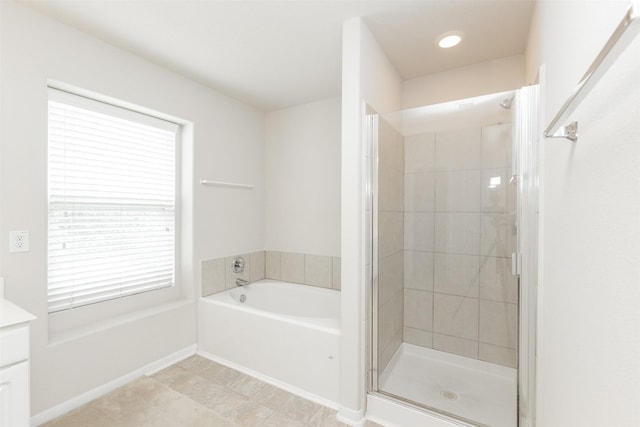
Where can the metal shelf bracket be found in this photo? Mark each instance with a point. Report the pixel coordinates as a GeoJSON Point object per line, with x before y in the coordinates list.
{"type": "Point", "coordinates": [569, 132]}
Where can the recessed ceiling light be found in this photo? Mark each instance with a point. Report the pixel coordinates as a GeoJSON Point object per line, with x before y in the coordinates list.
{"type": "Point", "coordinates": [449, 39]}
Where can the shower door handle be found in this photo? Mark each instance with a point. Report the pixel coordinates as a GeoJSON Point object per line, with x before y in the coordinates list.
{"type": "Point", "coordinates": [516, 263]}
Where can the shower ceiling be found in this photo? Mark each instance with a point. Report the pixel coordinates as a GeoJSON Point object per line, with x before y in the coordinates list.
{"type": "Point", "coordinates": [275, 54]}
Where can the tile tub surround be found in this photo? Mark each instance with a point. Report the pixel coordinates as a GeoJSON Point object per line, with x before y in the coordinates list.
{"type": "Point", "coordinates": [307, 269]}
{"type": "Point", "coordinates": [218, 275]}
{"type": "Point", "coordinates": [459, 213]}
{"type": "Point", "coordinates": [199, 392]}
{"type": "Point", "coordinates": [314, 270]}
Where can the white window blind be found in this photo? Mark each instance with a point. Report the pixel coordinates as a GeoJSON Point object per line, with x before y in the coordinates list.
{"type": "Point", "coordinates": [112, 202]}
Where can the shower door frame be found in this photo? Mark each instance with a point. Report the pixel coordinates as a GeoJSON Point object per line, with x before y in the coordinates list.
{"type": "Point", "coordinates": [371, 189]}
{"type": "Point", "coordinates": [527, 173]}
{"type": "Point", "coordinates": [525, 262]}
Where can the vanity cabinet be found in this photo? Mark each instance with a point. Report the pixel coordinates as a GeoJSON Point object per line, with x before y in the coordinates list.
{"type": "Point", "coordinates": [14, 365]}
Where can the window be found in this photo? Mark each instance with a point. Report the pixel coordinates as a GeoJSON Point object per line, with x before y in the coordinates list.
{"type": "Point", "coordinates": [111, 199]}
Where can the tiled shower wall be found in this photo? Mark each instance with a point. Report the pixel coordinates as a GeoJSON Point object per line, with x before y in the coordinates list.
{"type": "Point", "coordinates": [390, 241]}
{"type": "Point", "coordinates": [459, 233]}
{"type": "Point", "coordinates": [314, 270]}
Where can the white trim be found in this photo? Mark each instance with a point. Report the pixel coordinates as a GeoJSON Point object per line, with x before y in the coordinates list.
{"type": "Point", "coordinates": [270, 380]}
{"type": "Point", "coordinates": [151, 368]}
{"type": "Point", "coordinates": [75, 98]}
{"type": "Point", "coordinates": [351, 417]}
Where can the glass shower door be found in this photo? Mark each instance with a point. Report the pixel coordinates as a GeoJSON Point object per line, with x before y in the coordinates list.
{"type": "Point", "coordinates": [445, 310]}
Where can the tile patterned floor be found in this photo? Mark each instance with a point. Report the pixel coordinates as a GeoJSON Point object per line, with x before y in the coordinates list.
{"type": "Point", "coordinates": [199, 392]}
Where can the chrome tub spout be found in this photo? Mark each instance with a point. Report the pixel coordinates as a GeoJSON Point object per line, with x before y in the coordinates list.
{"type": "Point", "coordinates": [241, 282]}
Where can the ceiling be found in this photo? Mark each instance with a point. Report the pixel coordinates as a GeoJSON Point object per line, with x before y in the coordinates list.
{"type": "Point", "coordinates": [276, 54]}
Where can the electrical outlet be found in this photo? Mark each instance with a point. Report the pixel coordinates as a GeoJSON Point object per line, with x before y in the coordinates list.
{"type": "Point", "coordinates": [19, 241]}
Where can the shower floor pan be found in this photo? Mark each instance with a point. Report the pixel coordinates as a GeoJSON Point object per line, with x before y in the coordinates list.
{"type": "Point", "coordinates": [474, 390]}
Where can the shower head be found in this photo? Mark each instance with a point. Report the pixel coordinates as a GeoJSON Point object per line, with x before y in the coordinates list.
{"type": "Point", "coordinates": [506, 103]}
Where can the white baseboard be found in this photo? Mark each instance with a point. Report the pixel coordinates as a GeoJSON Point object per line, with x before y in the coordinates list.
{"type": "Point", "coordinates": [158, 365]}
{"type": "Point", "coordinates": [351, 417]}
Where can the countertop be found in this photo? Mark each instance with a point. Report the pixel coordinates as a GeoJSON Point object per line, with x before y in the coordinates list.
{"type": "Point", "coordinates": [11, 314]}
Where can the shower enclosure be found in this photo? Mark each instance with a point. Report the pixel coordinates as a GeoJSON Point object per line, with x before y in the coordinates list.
{"type": "Point", "coordinates": [445, 301]}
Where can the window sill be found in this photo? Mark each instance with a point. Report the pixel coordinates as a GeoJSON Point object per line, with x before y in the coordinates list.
{"type": "Point", "coordinates": [83, 331]}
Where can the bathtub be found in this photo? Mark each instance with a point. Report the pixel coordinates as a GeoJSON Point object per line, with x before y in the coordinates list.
{"type": "Point", "coordinates": [283, 333]}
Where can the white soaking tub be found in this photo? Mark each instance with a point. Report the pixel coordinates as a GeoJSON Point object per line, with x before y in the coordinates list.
{"type": "Point", "coordinates": [284, 333]}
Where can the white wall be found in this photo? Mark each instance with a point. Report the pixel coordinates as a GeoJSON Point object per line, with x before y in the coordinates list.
{"type": "Point", "coordinates": [226, 144]}
{"type": "Point", "coordinates": [1, 219]}
{"type": "Point", "coordinates": [493, 76]}
{"type": "Point", "coordinates": [532, 52]}
{"type": "Point", "coordinates": [589, 300]}
{"type": "Point", "coordinates": [367, 75]}
{"type": "Point", "coordinates": [302, 170]}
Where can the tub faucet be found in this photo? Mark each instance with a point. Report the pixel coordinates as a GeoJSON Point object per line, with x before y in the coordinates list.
{"type": "Point", "coordinates": [241, 282]}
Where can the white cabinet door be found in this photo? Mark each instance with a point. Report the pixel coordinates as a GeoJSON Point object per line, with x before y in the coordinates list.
{"type": "Point", "coordinates": [14, 395]}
